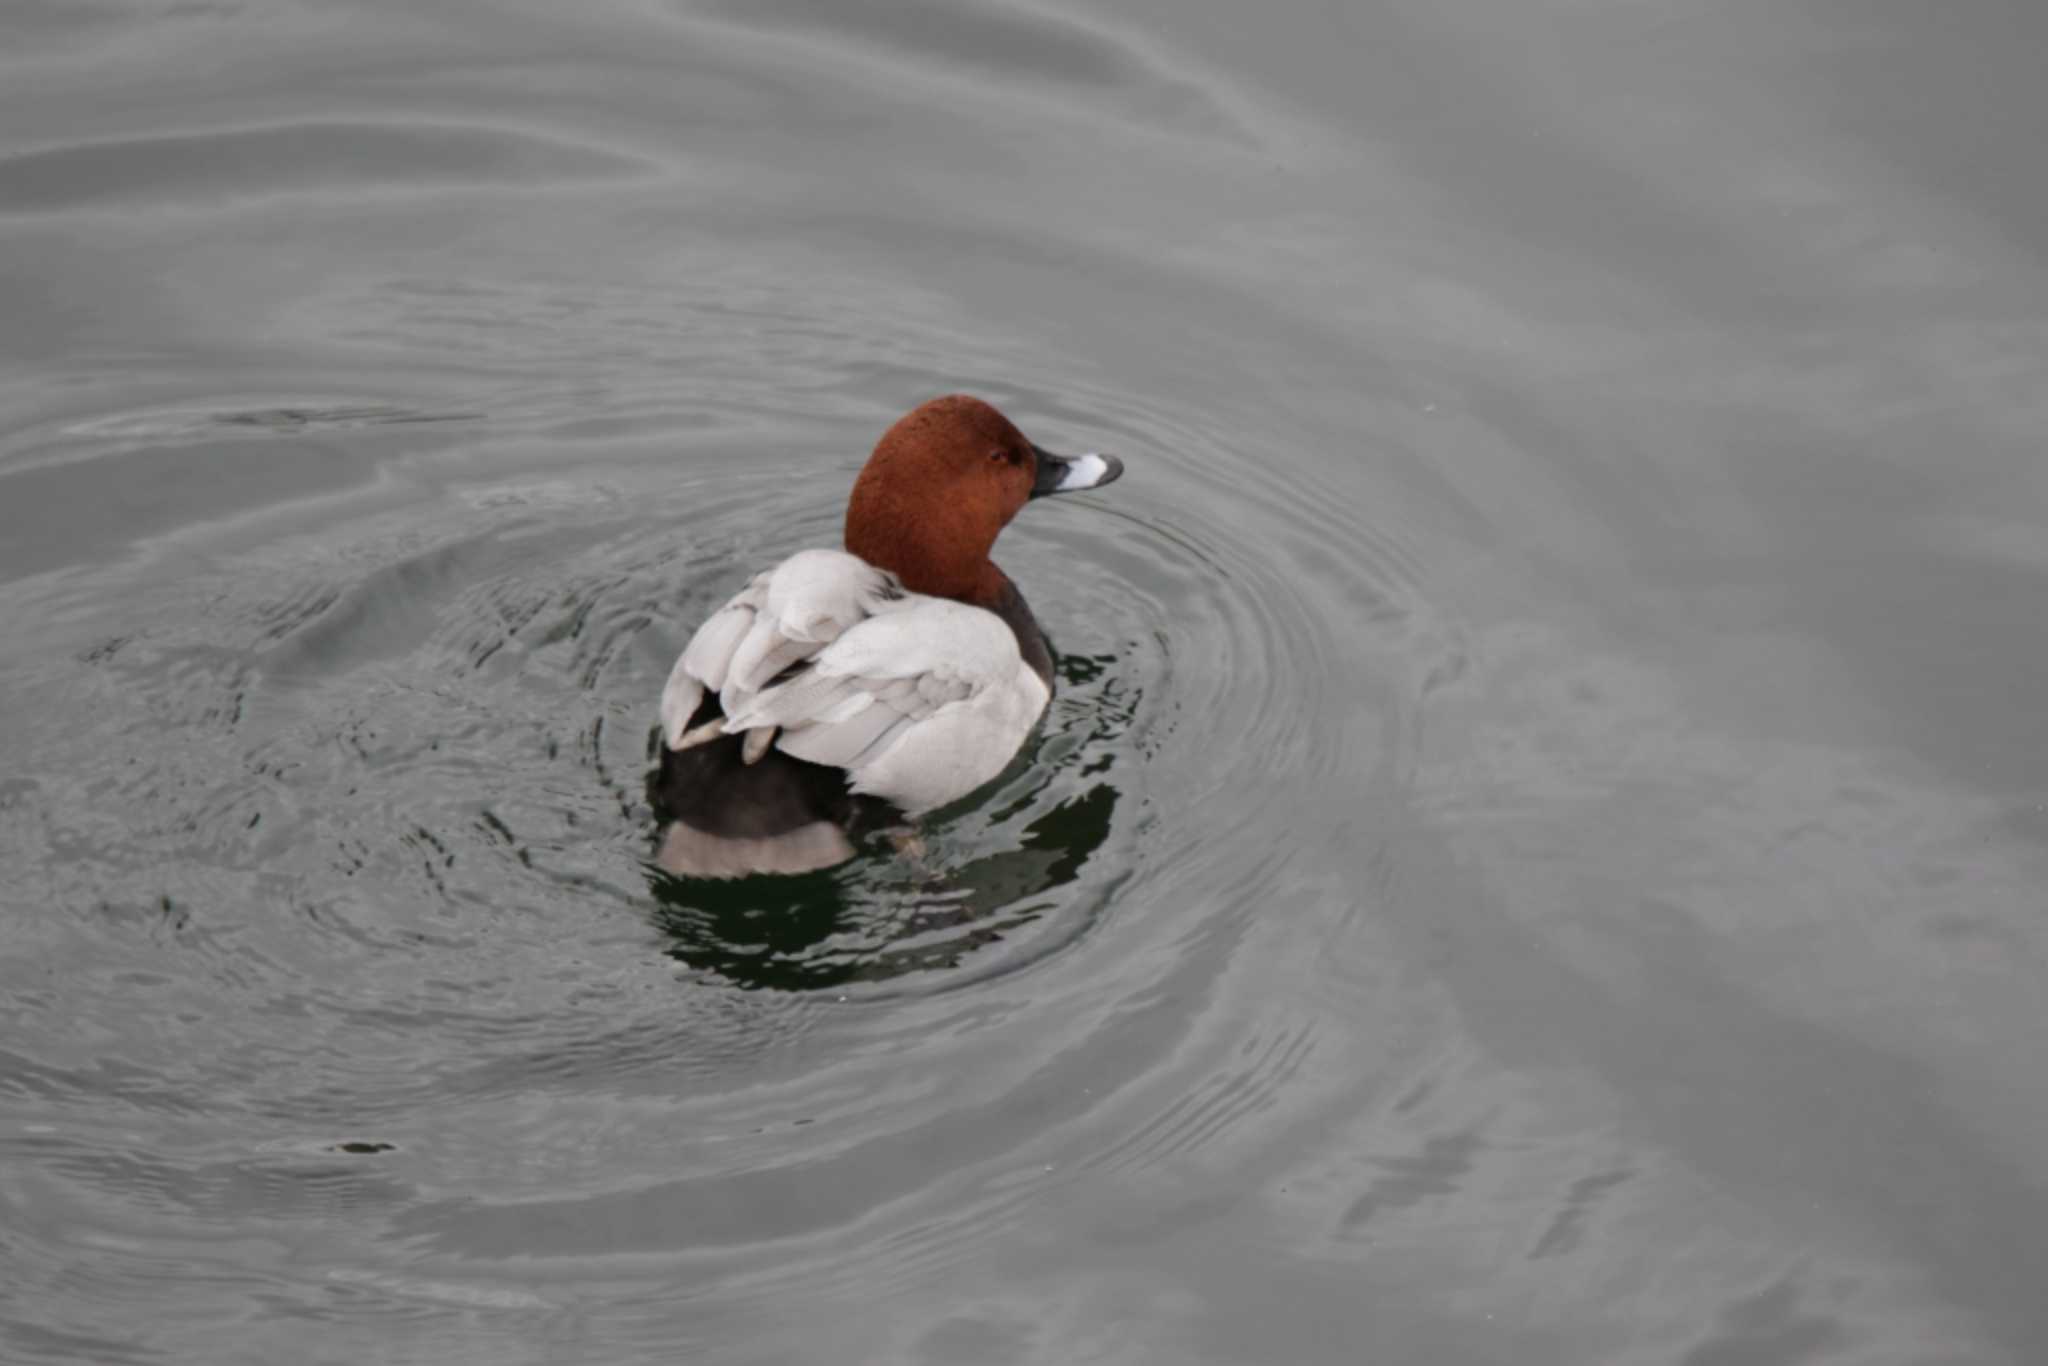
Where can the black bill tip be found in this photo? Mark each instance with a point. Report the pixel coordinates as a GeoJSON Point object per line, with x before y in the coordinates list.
{"type": "Point", "coordinates": [1073, 473]}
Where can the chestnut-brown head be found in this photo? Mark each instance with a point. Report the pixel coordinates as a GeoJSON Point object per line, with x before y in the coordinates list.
{"type": "Point", "coordinates": [940, 487]}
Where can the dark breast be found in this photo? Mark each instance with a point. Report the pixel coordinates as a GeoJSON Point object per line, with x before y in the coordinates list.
{"type": "Point", "coordinates": [1031, 642]}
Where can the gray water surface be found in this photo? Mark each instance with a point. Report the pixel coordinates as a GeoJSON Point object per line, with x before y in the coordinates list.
{"type": "Point", "coordinates": [1540, 854]}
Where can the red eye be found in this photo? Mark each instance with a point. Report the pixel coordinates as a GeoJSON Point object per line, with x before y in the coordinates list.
{"type": "Point", "coordinates": [999, 454]}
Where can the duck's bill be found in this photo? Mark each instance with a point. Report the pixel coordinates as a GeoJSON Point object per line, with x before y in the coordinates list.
{"type": "Point", "coordinates": [1073, 473]}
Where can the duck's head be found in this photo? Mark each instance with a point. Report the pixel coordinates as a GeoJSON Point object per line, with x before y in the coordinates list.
{"type": "Point", "coordinates": [941, 486]}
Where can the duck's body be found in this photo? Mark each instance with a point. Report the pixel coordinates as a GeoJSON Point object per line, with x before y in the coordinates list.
{"type": "Point", "coordinates": [895, 676]}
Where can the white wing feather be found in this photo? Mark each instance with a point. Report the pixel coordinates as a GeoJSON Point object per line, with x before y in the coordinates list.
{"type": "Point", "coordinates": [709, 655]}
{"type": "Point", "coordinates": [919, 699]}
{"type": "Point", "coordinates": [706, 660]}
{"type": "Point", "coordinates": [920, 705]}
{"type": "Point", "coordinates": [781, 618]}
{"type": "Point", "coordinates": [808, 601]}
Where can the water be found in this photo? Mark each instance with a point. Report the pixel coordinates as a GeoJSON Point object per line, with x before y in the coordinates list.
{"type": "Point", "coordinates": [1538, 855]}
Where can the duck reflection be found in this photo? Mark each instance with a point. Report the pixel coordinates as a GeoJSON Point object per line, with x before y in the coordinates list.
{"type": "Point", "coordinates": [880, 916]}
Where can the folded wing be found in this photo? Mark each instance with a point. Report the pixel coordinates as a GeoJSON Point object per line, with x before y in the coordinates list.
{"type": "Point", "coordinates": [780, 619]}
{"type": "Point", "coordinates": [920, 700]}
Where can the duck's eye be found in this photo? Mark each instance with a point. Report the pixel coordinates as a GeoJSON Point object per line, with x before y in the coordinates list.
{"type": "Point", "coordinates": [998, 455]}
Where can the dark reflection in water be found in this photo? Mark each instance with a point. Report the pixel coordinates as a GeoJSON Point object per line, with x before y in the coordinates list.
{"type": "Point", "coordinates": [888, 913]}
{"type": "Point", "coordinates": [829, 928]}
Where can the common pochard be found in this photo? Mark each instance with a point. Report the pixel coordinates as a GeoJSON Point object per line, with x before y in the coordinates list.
{"type": "Point", "coordinates": [880, 681]}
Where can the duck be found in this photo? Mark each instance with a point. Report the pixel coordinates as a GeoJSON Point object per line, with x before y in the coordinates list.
{"type": "Point", "coordinates": [847, 690]}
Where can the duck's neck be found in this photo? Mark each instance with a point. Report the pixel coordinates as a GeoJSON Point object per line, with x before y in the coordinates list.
{"type": "Point", "coordinates": [952, 565]}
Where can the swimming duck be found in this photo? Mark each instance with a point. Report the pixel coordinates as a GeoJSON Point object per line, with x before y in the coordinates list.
{"type": "Point", "coordinates": [844, 688]}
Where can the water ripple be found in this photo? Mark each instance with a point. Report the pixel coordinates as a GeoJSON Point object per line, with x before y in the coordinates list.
{"type": "Point", "coordinates": [203, 168]}
{"type": "Point", "coordinates": [386, 773]}
{"type": "Point", "coordinates": [1046, 54]}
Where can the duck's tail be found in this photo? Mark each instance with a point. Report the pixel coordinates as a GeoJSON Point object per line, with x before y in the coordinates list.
{"type": "Point", "coordinates": [732, 807]}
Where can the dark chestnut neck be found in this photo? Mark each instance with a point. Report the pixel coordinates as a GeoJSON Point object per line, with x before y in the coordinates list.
{"type": "Point", "coordinates": [940, 576]}
{"type": "Point", "coordinates": [943, 554]}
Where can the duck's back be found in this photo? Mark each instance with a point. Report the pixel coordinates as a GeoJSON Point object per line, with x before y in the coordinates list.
{"type": "Point", "coordinates": [821, 684]}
